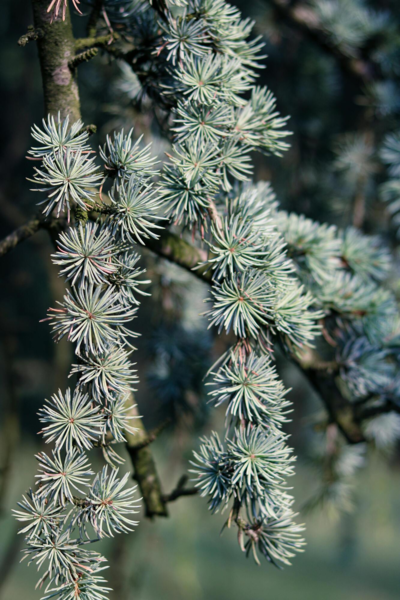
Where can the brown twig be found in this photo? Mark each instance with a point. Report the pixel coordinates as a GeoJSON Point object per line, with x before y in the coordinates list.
{"type": "Point", "coordinates": [145, 471]}
{"type": "Point", "coordinates": [215, 217]}
{"type": "Point", "coordinates": [32, 35]}
{"type": "Point", "coordinates": [180, 490]}
{"type": "Point", "coordinates": [26, 231]}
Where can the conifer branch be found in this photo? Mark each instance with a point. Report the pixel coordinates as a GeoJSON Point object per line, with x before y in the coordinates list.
{"type": "Point", "coordinates": [177, 250]}
{"type": "Point", "coordinates": [61, 95]}
{"type": "Point", "coordinates": [320, 373]}
{"type": "Point", "coordinates": [274, 278]}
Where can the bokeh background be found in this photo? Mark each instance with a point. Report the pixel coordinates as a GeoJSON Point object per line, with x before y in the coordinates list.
{"type": "Point", "coordinates": [349, 556]}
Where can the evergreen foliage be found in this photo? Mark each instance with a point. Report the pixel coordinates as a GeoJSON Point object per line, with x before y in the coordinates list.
{"type": "Point", "coordinates": [277, 280]}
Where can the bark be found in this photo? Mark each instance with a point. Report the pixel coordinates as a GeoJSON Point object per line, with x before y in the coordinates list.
{"type": "Point", "coordinates": [145, 472]}
{"type": "Point", "coordinates": [56, 49]}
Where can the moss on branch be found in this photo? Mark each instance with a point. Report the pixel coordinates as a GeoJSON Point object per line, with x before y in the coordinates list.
{"type": "Point", "coordinates": [177, 250]}
{"type": "Point", "coordinates": [83, 57]}
{"type": "Point", "coordinates": [56, 49]}
{"type": "Point", "coordinates": [95, 41]}
{"type": "Point", "coordinates": [32, 35]}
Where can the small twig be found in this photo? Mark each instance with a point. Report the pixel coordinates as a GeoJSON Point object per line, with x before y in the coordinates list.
{"type": "Point", "coordinates": [100, 444]}
{"type": "Point", "coordinates": [90, 129]}
{"type": "Point", "coordinates": [331, 366]}
{"type": "Point", "coordinates": [26, 231]}
{"type": "Point", "coordinates": [100, 41]}
{"type": "Point", "coordinates": [144, 467]}
{"type": "Point", "coordinates": [83, 57]}
{"type": "Point", "coordinates": [180, 490]}
{"type": "Point", "coordinates": [152, 436]}
{"type": "Point", "coordinates": [32, 35]}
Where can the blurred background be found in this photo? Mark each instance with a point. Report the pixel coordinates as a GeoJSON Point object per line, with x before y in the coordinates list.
{"type": "Point", "coordinates": [332, 173]}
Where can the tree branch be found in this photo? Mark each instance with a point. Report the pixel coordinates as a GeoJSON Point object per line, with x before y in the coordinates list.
{"type": "Point", "coordinates": [56, 48]}
{"type": "Point", "coordinates": [32, 35]}
{"type": "Point", "coordinates": [151, 436]}
{"type": "Point", "coordinates": [181, 490]}
{"type": "Point", "coordinates": [26, 231]}
{"type": "Point", "coordinates": [322, 377]}
{"type": "Point", "coordinates": [321, 374]}
{"type": "Point", "coordinates": [160, 7]}
{"type": "Point", "coordinates": [95, 41]}
{"type": "Point", "coordinates": [145, 471]}
{"type": "Point", "coordinates": [340, 410]}
{"type": "Point", "coordinates": [168, 245]}
{"type": "Point", "coordinates": [94, 17]}
{"type": "Point", "coordinates": [179, 251]}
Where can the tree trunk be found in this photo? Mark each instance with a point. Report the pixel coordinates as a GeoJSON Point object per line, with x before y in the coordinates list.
{"type": "Point", "coordinates": [56, 49]}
